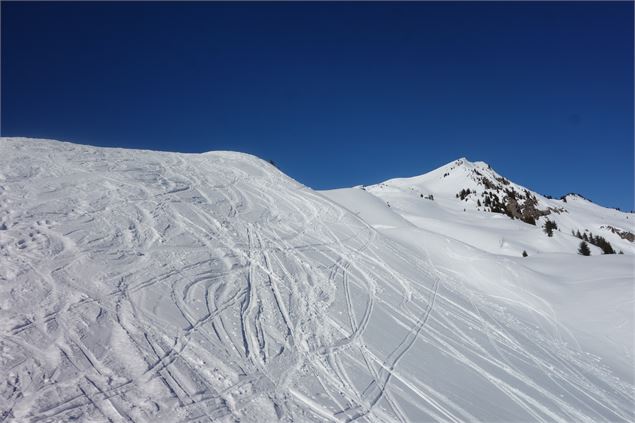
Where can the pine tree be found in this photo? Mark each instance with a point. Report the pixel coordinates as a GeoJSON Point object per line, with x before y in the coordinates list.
{"type": "Point", "coordinates": [598, 241]}
{"type": "Point", "coordinates": [549, 227]}
{"type": "Point", "coordinates": [584, 249]}
{"type": "Point", "coordinates": [606, 246]}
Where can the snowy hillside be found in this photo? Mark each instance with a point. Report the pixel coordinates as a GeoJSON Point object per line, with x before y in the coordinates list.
{"type": "Point", "coordinates": [147, 286]}
{"type": "Point", "coordinates": [472, 203]}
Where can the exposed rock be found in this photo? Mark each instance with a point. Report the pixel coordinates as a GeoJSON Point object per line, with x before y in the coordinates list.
{"type": "Point", "coordinates": [629, 236]}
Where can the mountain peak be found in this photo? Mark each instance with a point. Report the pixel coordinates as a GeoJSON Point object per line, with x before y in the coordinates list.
{"type": "Point", "coordinates": [464, 185]}
{"type": "Point", "coordinates": [457, 174]}
{"type": "Point", "coordinates": [465, 162]}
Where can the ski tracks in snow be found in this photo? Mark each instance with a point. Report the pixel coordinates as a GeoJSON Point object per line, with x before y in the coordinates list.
{"type": "Point", "coordinates": [167, 287]}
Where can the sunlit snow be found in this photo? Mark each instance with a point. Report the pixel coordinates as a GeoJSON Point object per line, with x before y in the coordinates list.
{"type": "Point", "coordinates": [164, 287]}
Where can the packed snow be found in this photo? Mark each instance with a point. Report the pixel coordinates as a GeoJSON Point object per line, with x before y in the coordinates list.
{"type": "Point", "coordinates": [150, 286]}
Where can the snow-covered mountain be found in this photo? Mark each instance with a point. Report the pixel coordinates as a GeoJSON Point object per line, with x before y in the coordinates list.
{"type": "Point", "coordinates": [148, 286]}
{"type": "Point", "coordinates": [473, 203]}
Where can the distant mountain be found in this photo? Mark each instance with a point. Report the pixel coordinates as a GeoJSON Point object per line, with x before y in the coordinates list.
{"type": "Point", "coordinates": [162, 287]}
{"type": "Point", "coordinates": [476, 197]}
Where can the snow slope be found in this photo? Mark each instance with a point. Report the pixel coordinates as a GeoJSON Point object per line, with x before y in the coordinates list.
{"type": "Point", "coordinates": [146, 286]}
{"type": "Point", "coordinates": [467, 221]}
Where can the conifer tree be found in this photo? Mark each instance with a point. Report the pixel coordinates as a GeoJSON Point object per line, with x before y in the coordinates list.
{"type": "Point", "coordinates": [584, 249]}
{"type": "Point", "coordinates": [549, 227]}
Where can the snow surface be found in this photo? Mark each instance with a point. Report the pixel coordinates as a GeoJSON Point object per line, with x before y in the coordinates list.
{"type": "Point", "coordinates": [147, 286]}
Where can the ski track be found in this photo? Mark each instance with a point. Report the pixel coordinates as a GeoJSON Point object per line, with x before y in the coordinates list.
{"type": "Point", "coordinates": [213, 288]}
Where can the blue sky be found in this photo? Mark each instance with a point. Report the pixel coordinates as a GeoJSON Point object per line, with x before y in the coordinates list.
{"type": "Point", "coordinates": [337, 94]}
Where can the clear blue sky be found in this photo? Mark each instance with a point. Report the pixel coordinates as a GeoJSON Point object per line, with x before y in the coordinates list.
{"type": "Point", "coordinates": [338, 94]}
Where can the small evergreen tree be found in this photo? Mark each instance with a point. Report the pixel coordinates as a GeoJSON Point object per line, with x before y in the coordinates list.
{"type": "Point", "coordinates": [525, 253]}
{"type": "Point", "coordinates": [464, 193]}
{"type": "Point", "coordinates": [549, 226]}
{"type": "Point", "coordinates": [584, 249]}
{"type": "Point", "coordinates": [606, 246]}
